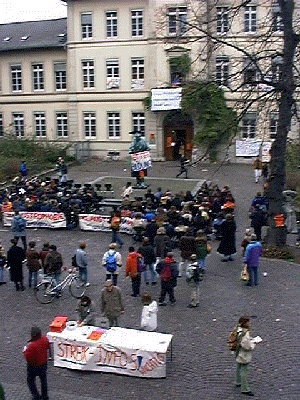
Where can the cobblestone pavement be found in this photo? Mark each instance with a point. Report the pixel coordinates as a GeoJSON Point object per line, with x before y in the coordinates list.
{"type": "Point", "coordinates": [202, 367]}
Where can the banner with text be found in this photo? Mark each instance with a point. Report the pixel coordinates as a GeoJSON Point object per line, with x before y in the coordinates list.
{"type": "Point", "coordinates": [51, 220]}
{"type": "Point", "coordinates": [247, 148]}
{"type": "Point", "coordinates": [166, 99]}
{"type": "Point", "coordinates": [140, 160]}
{"type": "Point", "coordinates": [94, 222]}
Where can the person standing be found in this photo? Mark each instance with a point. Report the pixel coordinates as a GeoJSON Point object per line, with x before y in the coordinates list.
{"type": "Point", "coordinates": [194, 275]}
{"type": "Point", "coordinates": [43, 254]}
{"type": "Point", "coordinates": [257, 169]}
{"type": "Point", "coordinates": [115, 222]}
{"type": "Point", "coordinates": [227, 243]}
{"type": "Point", "coordinates": [15, 258]}
{"type": "Point", "coordinates": [131, 270]}
{"type": "Point", "coordinates": [168, 271]}
{"type": "Point", "coordinates": [112, 261]}
{"type": "Point", "coordinates": [81, 261]}
{"type": "Point", "coordinates": [23, 170]}
{"type": "Point", "coordinates": [53, 264]}
{"type": "Point", "coordinates": [33, 264]}
{"type": "Point", "coordinates": [245, 347]}
{"type": "Point", "coordinates": [111, 303]}
{"type": "Point", "coordinates": [149, 313]}
{"type": "Point", "coordinates": [2, 266]}
{"type": "Point", "coordinates": [202, 250]}
{"type": "Point", "coordinates": [147, 251]}
{"type": "Point", "coordinates": [251, 258]}
{"type": "Point", "coordinates": [257, 217]}
{"type": "Point", "coordinates": [162, 243]}
{"type": "Point", "coordinates": [187, 246]}
{"type": "Point", "coordinates": [36, 355]}
{"type": "Point", "coordinates": [62, 170]}
{"type": "Point", "coordinates": [18, 227]}
{"type": "Point", "coordinates": [183, 168]}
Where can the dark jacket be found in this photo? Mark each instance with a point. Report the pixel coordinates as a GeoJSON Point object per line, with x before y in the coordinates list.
{"type": "Point", "coordinates": [147, 251]}
{"type": "Point", "coordinates": [33, 260]}
{"type": "Point", "coordinates": [53, 262]}
{"type": "Point", "coordinates": [163, 245]}
{"type": "Point", "coordinates": [15, 257]}
{"type": "Point", "coordinates": [227, 244]}
{"type": "Point", "coordinates": [187, 246]}
{"type": "Point", "coordinates": [174, 269]}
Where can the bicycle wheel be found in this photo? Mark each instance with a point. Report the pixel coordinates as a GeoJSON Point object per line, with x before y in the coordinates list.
{"type": "Point", "coordinates": [77, 287]}
{"type": "Point", "coordinates": [43, 293]}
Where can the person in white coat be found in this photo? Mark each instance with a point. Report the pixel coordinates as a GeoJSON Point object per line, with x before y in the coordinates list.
{"type": "Point", "coordinates": [149, 313]}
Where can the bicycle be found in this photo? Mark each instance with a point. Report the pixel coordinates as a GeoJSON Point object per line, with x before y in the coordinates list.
{"type": "Point", "coordinates": [47, 289]}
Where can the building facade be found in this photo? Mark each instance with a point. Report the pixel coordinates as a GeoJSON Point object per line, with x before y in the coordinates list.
{"type": "Point", "coordinates": [83, 79]}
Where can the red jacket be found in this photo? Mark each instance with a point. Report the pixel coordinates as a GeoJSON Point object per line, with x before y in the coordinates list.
{"type": "Point", "coordinates": [131, 264]}
{"type": "Point", "coordinates": [36, 351]}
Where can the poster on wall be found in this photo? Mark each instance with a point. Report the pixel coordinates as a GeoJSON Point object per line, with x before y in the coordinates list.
{"type": "Point", "coordinates": [166, 99]}
{"type": "Point", "coordinates": [265, 151]}
{"type": "Point", "coordinates": [247, 148]}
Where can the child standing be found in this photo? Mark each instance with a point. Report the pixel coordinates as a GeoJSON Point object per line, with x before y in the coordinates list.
{"type": "Point", "coordinates": [194, 275]}
{"type": "Point", "coordinates": [149, 313]}
{"type": "Point", "coordinates": [202, 250]}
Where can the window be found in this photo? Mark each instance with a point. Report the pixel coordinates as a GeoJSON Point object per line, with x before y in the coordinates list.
{"type": "Point", "coordinates": [86, 26]}
{"type": "Point", "coordinates": [60, 76]}
{"type": "Point", "coordinates": [222, 20]}
{"type": "Point", "coordinates": [111, 24]}
{"type": "Point", "coordinates": [137, 23]}
{"type": "Point", "coordinates": [176, 76]}
{"type": "Point", "coordinates": [89, 121]}
{"type": "Point", "coordinates": [113, 119]}
{"type": "Point", "coordinates": [62, 124]}
{"type": "Point", "coordinates": [38, 76]}
{"type": "Point", "coordinates": [1, 125]}
{"type": "Point", "coordinates": [277, 24]}
{"type": "Point", "coordinates": [18, 123]}
{"type": "Point", "coordinates": [88, 74]}
{"type": "Point", "coordinates": [137, 73]}
{"type": "Point", "coordinates": [177, 20]}
{"type": "Point", "coordinates": [273, 125]}
{"type": "Point", "coordinates": [249, 126]}
{"type": "Point", "coordinates": [276, 69]}
{"type": "Point", "coordinates": [250, 19]}
{"type": "Point", "coordinates": [112, 74]}
{"type": "Point", "coordinates": [16, 78]}
{"type": "Point", "coordinates": [250, 72]}
{"type": "Point", "coordinates": [138, 122]}
{"type": "Point", "coordinates": [222, 71]}
{"type": "Point", "coordinates": [40, 124]}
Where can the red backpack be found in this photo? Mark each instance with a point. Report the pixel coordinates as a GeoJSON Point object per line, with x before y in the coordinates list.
{"type": "Point", "coordinates": [166, 273]}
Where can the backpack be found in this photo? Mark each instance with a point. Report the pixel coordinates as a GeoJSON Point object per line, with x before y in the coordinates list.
{"type": "Point", "coordinates": [140, 264]}
{"type": "Point", "coordinates": [74, 262]}
{"type": "Point", "coordinates": [235, 340]}
{"type": "Point", "coordinates": [20, 225]}
{"type": "Point", "coordinates": [115, 222]}
{"type": "Point", "coordinates": [197, 274]}
{"type": "Point", "coordinates": [166, 273]}
{"type": "Point", "coordinates": [111, 263]}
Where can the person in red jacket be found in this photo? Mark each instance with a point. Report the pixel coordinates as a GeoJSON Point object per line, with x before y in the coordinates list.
{"type": "Point", "coordinates": [132, 270]}
{"type": "Point", "coordinates": [36, 355]}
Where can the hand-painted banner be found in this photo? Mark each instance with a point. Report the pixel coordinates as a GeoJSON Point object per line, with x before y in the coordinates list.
{"type": "Point", "coordinates": [38, 219]}
{"type": "Point", "coordinates": [94, 222]}
{"type": "Point", "coordinates": [140, 160]}
{"type": "Point", "coordinates": [121, 351]}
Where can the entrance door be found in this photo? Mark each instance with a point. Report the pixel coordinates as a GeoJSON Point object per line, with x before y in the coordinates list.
{"type": "Point", "coordinates": [178, 133]}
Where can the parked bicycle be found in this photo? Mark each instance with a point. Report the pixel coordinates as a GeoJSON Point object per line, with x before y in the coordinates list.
{"type": "Point", "coordinates": [47, 289]}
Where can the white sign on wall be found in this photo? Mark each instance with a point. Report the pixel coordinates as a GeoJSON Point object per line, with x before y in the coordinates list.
{"type": "Point", "coordinates": [166, 99]}
{"type": "Point", "coordinates": [247, 148]}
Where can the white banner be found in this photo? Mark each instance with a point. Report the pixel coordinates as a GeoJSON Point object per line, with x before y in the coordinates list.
{"type": "Point", "coordinates": [94, 222]}
{"type": "Point", "coordinates": [119, 350]}
{"type": "Point", "coordinates": [265, 151]}
{"type": "Point", "coordinates": [247, 148]}
{"type": "Point", "coordinates": [38, 219]}
{"type": "Point", "coordinates": [140, 160]}
{"type": "Point", "coordinates": [166, 99]}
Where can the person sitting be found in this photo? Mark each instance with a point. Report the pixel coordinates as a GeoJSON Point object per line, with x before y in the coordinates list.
{"type": "Point", "coordinates": [85, 311]}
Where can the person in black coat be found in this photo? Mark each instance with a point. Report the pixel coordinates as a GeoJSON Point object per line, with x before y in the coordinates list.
{"type": "Point", "coordinates": [227, 244]}
{"type": "Point", "coordinates": [257, 220]}
{"type": "Point", "coordinates": [15, 258]}
{"type": "Point", "coordinates": [147, 251]}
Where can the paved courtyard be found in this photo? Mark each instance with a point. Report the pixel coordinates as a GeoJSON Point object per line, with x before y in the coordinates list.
{"type": "Point", "coordinates": [202, 366]}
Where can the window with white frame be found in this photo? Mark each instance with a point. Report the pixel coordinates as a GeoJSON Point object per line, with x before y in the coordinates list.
{"type": "Point", "coordinates": [89, 122]}
{"type": "Point", "coordinates": [40, 124]}
{"type": "Point", "coordinates": [111, 24]}
{"type": "Point", "coordinates": [177, 20]}
{"type": "Point", "coordinates": [276, 69]}
{"type": "Point", "coordinates": [222, 19]}
{"type": "Point", "coordinates": [251, 75]}
{"type": "Point", "coordinates": [62, 124]}
{"type": "Point", "coordinates": [137, 73]}
{"type": "Point", "coordinates": [88, 74]}
{"type": "Point", "coordinates": [16, 78]}
{"type": "Point", "coordinates": [222, 70]}
{"type": "Point", "coordinates": [113, 122]}
{"type": "Point", "coordinates": [38, 76]}
{"type": "Point", "coordinates": [1, 125]}
{"type": "Point", "coordinates": [112, 74]}
{"type": "Point", "coordinates": [249, 126]}
{"type": "Point", "coordinates": [273, 125]}
{"type": "Point", "coordinates": [137, 23]}
{"type": "Point", "coordinates": [250, 19]}
{"type": "Point", "coordinates": [60, 76]}
{"type": "Point", "coordinates": [86, 26]}
{"type": "Point", "coordinates": [138, 122]}
{"type": "Point", "coordinates": [18, 124]}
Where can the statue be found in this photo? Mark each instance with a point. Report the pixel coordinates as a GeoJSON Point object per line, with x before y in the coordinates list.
{"type": "Point", "coordinates": [140, 159]}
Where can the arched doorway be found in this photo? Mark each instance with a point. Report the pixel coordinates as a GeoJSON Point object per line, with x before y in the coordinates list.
{"type": "Point", "coordinates": [178, 131]}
